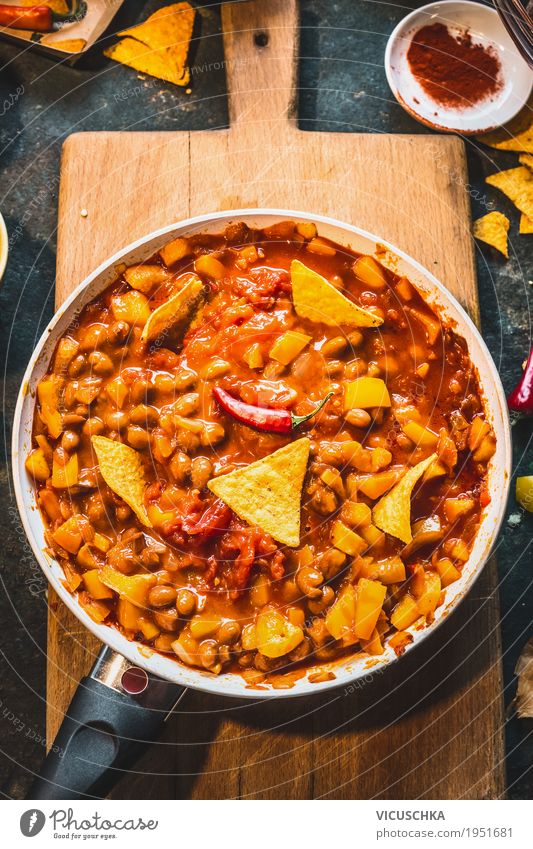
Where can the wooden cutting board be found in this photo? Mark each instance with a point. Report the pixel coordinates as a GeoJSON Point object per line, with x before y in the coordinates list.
{"type": "Point", "coordinates": [431, 727]}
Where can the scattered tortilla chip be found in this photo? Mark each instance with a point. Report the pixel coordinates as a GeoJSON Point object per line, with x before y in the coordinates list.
{"type": "Point", "coordinates": [492, 229]}
{"type": "Point", "coordinates": [69, 45]}
{"type": "Point", "coordinates": [516, 135]}
{"type": "Point", "coordinates": [524, 693]}
{"type": "Point", "coordinates": [174, 311]}
{"type": "Point", "coordinates": [122, 469]}
{"type": "Point", "coordinates": [517, 184]}
{"type": "Point", "coordinates": [268, 492]}
{"type": "Point", "coordinates": [392, 514]}
{"type": "Point", "coordinates": [318, 300]}
{"type": "Point", "coordinates": [160, 45]}
{"type": "Point", "coordinates": [526, 159]}
{"type": "Point", "coordinates": [526, 225]}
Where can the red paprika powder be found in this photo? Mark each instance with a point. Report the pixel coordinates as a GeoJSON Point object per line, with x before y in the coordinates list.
{"type": "Point", "coordinates": [451, 69]}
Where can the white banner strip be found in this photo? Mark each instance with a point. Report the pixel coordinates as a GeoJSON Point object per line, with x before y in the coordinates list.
{"type": "Point", "coordinates": [264, 825]}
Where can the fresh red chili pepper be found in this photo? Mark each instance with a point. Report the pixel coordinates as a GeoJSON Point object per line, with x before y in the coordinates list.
{"type": "Point", "coordinates": [263, 418]}
{"type": "Point", "coordinates": [36, 18]}
{"type": "Point", "coordinates": [521, 398]}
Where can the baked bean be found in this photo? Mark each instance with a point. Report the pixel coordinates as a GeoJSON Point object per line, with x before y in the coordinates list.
{"type": "Point", "coordinates": [70, 440]}
{"type": "Point", "coordinates": [207, 652]}
{"type": "Point", "coordinates": [93, 426]}
{"type": "Point", "coordinates": [71, 420]}
{"type": "Point", "coordinates": [308, 581]}
{"type": "Point", "coordinates": [123, 512]}
{"type": "Point", "coordinates": [229, 632]}
{"type": "Point", "coordinates": [187, 404]}
{"type": "Point", "coordinates": [333, 347]}
{"type": "Point", "coordinates": [334, 367]}
{"type": "Point", "coordinates": [77, 366]}
{"type": "Point", "coordinates": [201, 472]}
{"type": "Point", "coordinates": [318, 605]}
{"type": "Point", "coordinates": [355, 368]}
{"type": "Point", "coordinates": [161, 596]}
{"type": "Point", "coordinates": [140, 391]}
{"type": "Point", "coordinates": [143, 414]}
{"type": "Point", "coordinates": [167, 620]}
{"type": "Point", "coordinates": [212, 434]}
{"type": "Point", "coordinates": [358, 417]}
{"type": "Point", "coordinates": [138, 438]}
{"type": "Point", "coordinates": [164, 383]}
{"type": "Point", "coordinates": [180, 466]}
{"type": "Point", "coordinates": [187, 440]}
{"type": "Point", "coordinates": [289, 590]}
{"type": "Point", "coordinates": [301, 651]}
{"type": "Point", "coordinates": [118, 332]}
{"type": "Point", "coordinates": [100, 363]}
{"type": "Point", "coordinates": [373, 370]}
{"type": "Point", "coordinates": [246, 659]}
{"type": "Point", "coordinates": [81, 410]}
{"type": "Point", "coordinates": [185, 378]}
{"type": "Point", "coordinates": [95, 336]}
{"type": "Point", "coordinates": [332, 562]}
{"type": "Point", "coordinates": [117, 420]}
{"type": "Point", "coordinates": [355, 338]}
{"type": "Point", "coordinates": [185, 602]}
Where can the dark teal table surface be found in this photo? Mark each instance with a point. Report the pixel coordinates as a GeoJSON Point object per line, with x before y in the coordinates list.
{"type": "Point", "coordinates": [342, 88]}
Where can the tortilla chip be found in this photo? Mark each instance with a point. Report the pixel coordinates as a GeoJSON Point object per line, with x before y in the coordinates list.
{"type": "Point", "coordinates": [122, 469]}
{"type": "Point", "coordinates": [70, 45]}
{"type": "Point", "coordinates": [492, 229]}
{"type": "Point", "coordinates": [318, 300]}
{"type": "Point", "coordinates": [526, 225]}
{"type": "Point", "coordinates": [268, 493]}
{"type": "Point", "coordinates": [526, 159]}
{"type": "Point", "coordinates": [61, 7]}
{"type": "Point", "coordinates": [160, 45]}
{"type": "Point", "coordinates": [517, 184]}
{"type": "Point", "coordinates": [174, 311]}
{"type": "Point", "coordinates": [516, 135]}
{"type": "Point", "coordinates": [392, 514]}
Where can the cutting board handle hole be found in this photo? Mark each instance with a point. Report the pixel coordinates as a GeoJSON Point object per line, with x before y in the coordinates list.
{"type": "Point", "coordinates": [261, 38]}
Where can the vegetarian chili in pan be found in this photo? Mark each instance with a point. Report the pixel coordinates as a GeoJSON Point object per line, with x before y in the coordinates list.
{"type": "Point", "coordinates": [261, 452]}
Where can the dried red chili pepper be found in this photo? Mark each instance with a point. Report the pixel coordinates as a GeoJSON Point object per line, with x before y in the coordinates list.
{"type": "Point", "coordinates": [36, 18]}
{"type": "Point", "coordinates": [263, 418]}
{"type": "Point", "coordinates": [520, 399]}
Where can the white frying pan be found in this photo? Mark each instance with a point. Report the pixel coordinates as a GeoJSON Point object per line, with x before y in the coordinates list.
{"type": "Point", "coordinates": [129, 692]}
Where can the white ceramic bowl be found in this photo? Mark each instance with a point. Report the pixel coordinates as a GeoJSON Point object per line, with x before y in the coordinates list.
{"type": "Point", "coordinates": [4, 247]}
{"type": "Point", "coordinates": [486, 28]}
{"type": "Point", "coordinates": [344, 234]}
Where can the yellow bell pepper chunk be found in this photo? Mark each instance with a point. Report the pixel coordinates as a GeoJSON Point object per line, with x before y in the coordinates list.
{"type": "Point", "coordinates": [102, 543]}
{"type": "Point", "coordinates": [374, 538]}
{"type": "Point", "coordinates": [69, 535]}
{"type": "Point", "coordinates": [454, 508]}
{"type": "Point", "coordinates": [65, 477]}
{"type": "Point", "coordinates": [340, 618]}
{"type": "Point", "coordinates": [117, 391]}
{"type": "Point", "coordinates": [436, 470]}
{"type": "Point", "coordinates": [376, 485]}
{"type": "Point", "coordinates": [159, 517]}
{"type": "Point", "coordinates": [368, 605]}
{"type": "Point", "coordinates": [209, 265]}
{"type": "Point", "coordinates": [37, 466]}
{"type": "Point", "coordinates": [405, 613]}
{"type": "Point", "coordinates": [287, 347]}
{"type": "Point", "coordinates": [366, 392]}
{"type": "Point", "coordinates": [135, 588]}
{"type": "Point", "coordinates": [478, 430]}
{"type": "Point", "coordinates": [48, 395]}
{"type": "Point", "coordinates": [427, 597]}
{"type": "Point", "coordinates": [431, 324]}
{"type": "Point", "coordinates": [524, 492]}
{"type": "Point", "coordinates": [356, 514]}
{"type": "Point", "coordinates": [128, 615]}
{"type": "Point", "coordinates": [66, 350]}
{"type": "Point", "coordinates": [420, 435]}
{"type": "Point", "coordinates": [347, 540]}
{"type": "Point", "coordinates": [204, 624]}
{"type": "Point", "coordinates": [275, 635]}
{"type": "Point", "coordinates": [145, 277]}
{"type": "Point", "coordinates": [94, 586]}
{"type": "Point", "coordinates": [253, 356]}
{"type": "Point", "coordinates": [174, 251]}
{"type": "Point", "coordinates": [374, 645]}
{"type": "Point", "coordinates": [97, 610]}
{"type": "Point", "coordinates": [390, 570]}
{"type": "Point", "coordinates": [447, 571]}
{"type": "Point", "coordinates": [86, 558]}
{"type": "Point", "coordinates": [148, 628]}
{"type": "Point", "coordinates": [132, 307]}
{"type": "Point", "coordinates": [370, 272]}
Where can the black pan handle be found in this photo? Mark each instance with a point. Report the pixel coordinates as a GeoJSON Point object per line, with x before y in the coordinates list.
{"type": "Point", "coordinates": [117, 711]}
